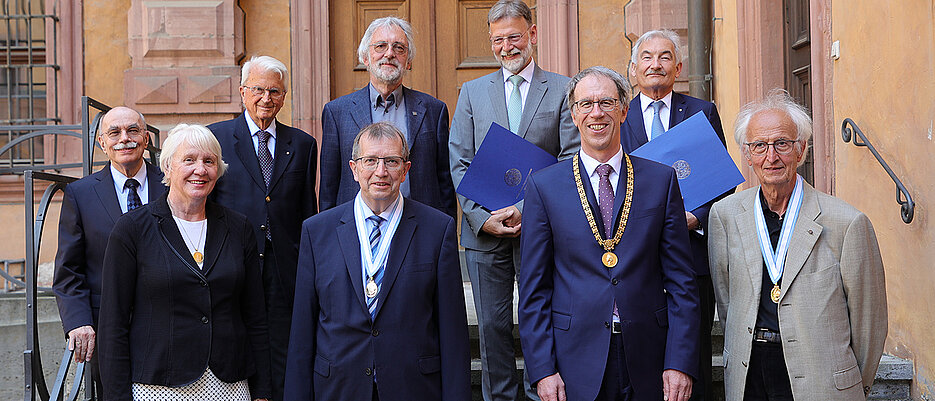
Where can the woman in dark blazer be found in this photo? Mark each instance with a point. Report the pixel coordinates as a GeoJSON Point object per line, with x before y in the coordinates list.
{"type": "Point", "coordinates": [182, 311]}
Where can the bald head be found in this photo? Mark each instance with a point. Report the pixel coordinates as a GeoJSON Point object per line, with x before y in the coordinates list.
{"type": "Point", "coordinates": [123, 137]}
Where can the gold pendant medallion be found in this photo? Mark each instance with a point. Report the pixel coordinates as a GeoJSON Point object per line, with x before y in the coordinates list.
{"type": "Point", "coordinates": [372, 288]}
{"type": "Point", "coordinates": [775, 293]}
{"type": "Point", "coordinates": [198, 257]}
{"type": "Point", "coordinates": [609, 259]}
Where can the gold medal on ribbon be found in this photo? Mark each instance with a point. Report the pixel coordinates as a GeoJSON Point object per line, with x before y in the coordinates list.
{"type": "Point", "coordinates": [609, 259]}
{"type": "Point", "coordinates": [371, 288]}
{"type": "Point", "coordinates": [775, 293]}
{"type": "Point", "coordinates": [198, 257]}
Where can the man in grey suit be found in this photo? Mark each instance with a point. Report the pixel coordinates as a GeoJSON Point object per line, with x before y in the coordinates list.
{"type": "Point", "coordinates": [530, 102]}
{"type": "Point", "coordinates": [797, 273]}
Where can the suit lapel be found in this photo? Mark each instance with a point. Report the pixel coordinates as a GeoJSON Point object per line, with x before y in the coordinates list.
{"type": "Point", "coordinates": [804, 236]}
{"type": "Point", "coordinates": [592, 197]}
{"type": "Point", "coordinates": [634, 121]}
{"type": "Point", "coordinates": [107, 193]}
{"type": "Point", "coordinates": [283, 155]}
{"type": "Point", "coordinates": [361, 110]}
{"type": "Point", "coordinates": [677, 112]}
{"type": "Point", "coordinates": [498, 99]}
{"type": "Point", "coordinates": [350, 248]}
{"type": "Point", "coordinates": [243, 145]}
{"type": "Point", "coordinates": [216, 237]}
{"type": "Point", "coordinates": [746, 226]}
{"type": "Point", "coordinates": [154, 180]}
{"type": "Point", "coordinates": [397, 253]}
{"type": "Point", "coordinates": [537, 88]}
{"type": "Point", "coordinates": [415, 115]}
{"type": "Point", "coordinates": [171, 234]}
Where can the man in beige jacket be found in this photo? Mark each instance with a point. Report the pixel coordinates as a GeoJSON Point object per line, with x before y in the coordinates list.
{"type": "Point", "coordinates": [797, 273]}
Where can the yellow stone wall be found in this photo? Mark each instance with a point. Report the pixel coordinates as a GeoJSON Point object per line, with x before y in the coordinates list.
{"type": "Point", "coordinates": [726, 71]}
{"type": "Point", "coordinates": [601, 38]}
{"type": "Point", "coordinates": [884, 82]}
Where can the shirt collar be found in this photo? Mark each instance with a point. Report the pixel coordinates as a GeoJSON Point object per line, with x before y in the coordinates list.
{"type": "Point", "coordinates": [251, 125]}
{"type": "Point", "coordinates": [386, 214]}
{"type": "Point", "coordinates": [590, 163]}
{"type": "Point", "coordinates": [120, 180]}
{"type": "Point", "coordinates": [646, 101]}
{"type": "Point", "coordinates": [526, 73]}
{"type": "Point", "coordinates": [375, 98]}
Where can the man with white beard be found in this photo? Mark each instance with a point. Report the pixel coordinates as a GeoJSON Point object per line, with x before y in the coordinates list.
{"type": "Point", "coordinates": [531, 103]}
{"type": "Point", "coordinates": [387, 49]}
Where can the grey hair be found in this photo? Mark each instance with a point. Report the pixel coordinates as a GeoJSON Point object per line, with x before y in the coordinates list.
{"type": "Point", "coordinates": [509, 8]}
{"type": "Point", "coordinates": [197, 136]}
{"type": "Point", "coordinates": [264, 63]}
{"type": "Point", "coordinates": [670, 35]}
{"type": "Point", "coordinates": [385, 22]}
{"type": "Point", "coordinates": [623, 87]}
{"type": "Point", "coordinates": [777, 99]}
{"type": "Point", "coordinates": [377, 130]}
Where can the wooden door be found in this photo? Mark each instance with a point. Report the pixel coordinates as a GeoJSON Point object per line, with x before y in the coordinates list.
{"type": "Point", "coordinates": [451, 39]}
{"type": "Point", "coordinates": [797, 45]}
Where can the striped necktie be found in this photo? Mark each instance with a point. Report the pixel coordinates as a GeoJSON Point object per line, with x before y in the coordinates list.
{"type": "Point", "coordinates": [375, 235]}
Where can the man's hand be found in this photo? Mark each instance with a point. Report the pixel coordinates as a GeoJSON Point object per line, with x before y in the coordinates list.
{"type": "Point", "coordinates": [503, 223]}
{"type": "Point", "coordinates": [551, 388]}
{"type": "Point", "coordinates": [81, 340]}
{"type": "Point", "coordinates": [676, 386]}
{"type": "Point", "coordinates": [693, 222]}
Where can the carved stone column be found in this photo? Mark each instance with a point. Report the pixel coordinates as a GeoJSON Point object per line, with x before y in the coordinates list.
{"type": "Point", "coordinates": [184, 57]}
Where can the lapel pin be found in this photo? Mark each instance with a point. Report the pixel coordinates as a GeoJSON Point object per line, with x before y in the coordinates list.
{"type": "Point", "coordinates": [680, 109]}
{"type": "Point", "coordinates": [287, 152]}
{"type": "Point", "coordinates": [414, 113]}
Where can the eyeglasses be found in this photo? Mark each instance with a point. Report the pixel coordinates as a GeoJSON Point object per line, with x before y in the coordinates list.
{"type": "Point", "coordinates": [514, 38]}
{"type": "Point", "coordinates": [781, 146]}
{"type": "Point", "coordinates": [274, 93]}
{"type": "Point", "coordinates": [392, 163]}
{"type": "Point", "coordinates": [398, 48]}
{"type": "Point", "coordinates": [606, 104]}
{"type": "Point", "coordinates": [132, 132]}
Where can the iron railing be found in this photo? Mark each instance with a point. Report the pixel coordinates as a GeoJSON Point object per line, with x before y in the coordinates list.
{"type": "Point", "coordinates": [903, 198]}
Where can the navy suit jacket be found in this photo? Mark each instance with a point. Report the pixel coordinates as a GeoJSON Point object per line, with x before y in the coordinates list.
{"type": "Point", "coordinates": [417, 347]}
{"type": "Point", "coordinates": [291, 196]}
{"type": "Point", "coordinates": [633, 135]}
{"type": "Point", "coordinates": [566, 295]}
{"type": "Point", "coordinates": [89, 210]}
{"type": "Point", "coordinates": [427, 122]}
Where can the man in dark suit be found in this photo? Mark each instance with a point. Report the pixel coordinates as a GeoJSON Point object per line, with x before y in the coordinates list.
{"type": "Point", "coordinates": [530, 102]}
{"type": "Point", "coordinates": [90, 208]}
{"type": "Point", "coordinates": [655, 63]}
{"type": "Point", "coordinates": [271, 180]}
{"type": "Point", "coordinates": [379, 311]}
{"type": "Point", "coordinates": [387, 49]}
{"type": "Point", "coordinates": [608, 308]}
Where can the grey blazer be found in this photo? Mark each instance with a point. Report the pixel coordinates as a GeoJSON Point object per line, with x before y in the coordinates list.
{"type": "Point", "coordinates": [832, 312]}
{"type": "Point", "coordinates": [546, 123]}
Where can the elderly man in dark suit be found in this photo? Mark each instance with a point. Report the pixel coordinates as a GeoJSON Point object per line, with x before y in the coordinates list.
{"type": "Point", "coordinates": [530, 102]}
{"type": "Point", "coordinates": [90, 208]}
{"type": "Point", "coordinates": [379, 310]}
{"type": "Point", "coordinates": [387, 49]}
{"type": "Point", "coordinates": [608, 308]}
{"type": "Point", "coordinates": [655, 63]}
{"type": "Point", "coordinates": [271, 180]}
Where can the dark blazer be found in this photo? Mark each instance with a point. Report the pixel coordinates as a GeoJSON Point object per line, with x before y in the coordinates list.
{"type": "Point", "coordinates": [418, 344]}
{"type": "Point", "coordinates": [427, 122]}
{"type": "Point", "coordinates": [163, 320]}
{"type": "Point", "coordinates": [290, 199]}
{"type": "Point", "coordinates": [633, 135]}
{"type": "Point", "coordinates": [566, 294]}
{"type": "Point", "coordinates": [89, 210]}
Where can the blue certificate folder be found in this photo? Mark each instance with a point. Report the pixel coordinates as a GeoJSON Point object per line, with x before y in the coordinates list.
{"type": "Point", "coordinates": [704, 168]}
{"type": "Point", "coordinates": [497, 176]}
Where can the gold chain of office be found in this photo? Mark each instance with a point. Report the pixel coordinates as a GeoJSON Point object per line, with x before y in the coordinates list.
{"type": "Point", "coordinates": [609, 259]}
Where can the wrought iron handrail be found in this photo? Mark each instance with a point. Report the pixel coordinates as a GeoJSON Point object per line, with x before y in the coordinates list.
{"type": "Point", "coordinates": [907, 206]}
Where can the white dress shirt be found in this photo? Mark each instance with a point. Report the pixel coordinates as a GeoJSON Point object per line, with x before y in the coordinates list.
{"type": "Point", "coordinates": [123, 193]}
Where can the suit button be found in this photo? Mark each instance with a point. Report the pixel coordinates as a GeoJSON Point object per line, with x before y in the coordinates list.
{"type": "Point", "coordinates": [614, 281]}
{"type": "Point", "coordinates": [607, 324]}
{"type": "Point", "coordinates": [204, 284]}
{"type": "Point", "coordinates": [375, 332]}
{"type": "Point", "coordinates": [204, 319]}
{"type": "Point", "coordinates": [267, 199]}
{"type": "Point", "coordinates": [368, 371]}
{"type": "Point", "coordinates": [261, 256]}
{"type": "Point", "coordinates": [262, 227]}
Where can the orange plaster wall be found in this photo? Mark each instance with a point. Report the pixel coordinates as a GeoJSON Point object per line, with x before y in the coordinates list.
{"type": "Point", "coordinates": [883, 81]}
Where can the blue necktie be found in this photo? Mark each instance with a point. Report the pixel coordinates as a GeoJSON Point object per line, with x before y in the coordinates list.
{"type": "Point", "coordinates": [133, 198]}
{"type": "Point", "coordinates": [375, 235]}
{"type": "Point", "coordinates": [514, 110]}
{"type": "Point", "coordinates": [657, 121]}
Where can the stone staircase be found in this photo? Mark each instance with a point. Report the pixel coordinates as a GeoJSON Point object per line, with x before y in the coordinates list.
{"type": "Point", "coordinates": [893, 381]}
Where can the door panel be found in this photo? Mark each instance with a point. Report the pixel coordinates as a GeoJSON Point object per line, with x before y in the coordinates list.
{"type": "Point", "coordinates": [797, 55]}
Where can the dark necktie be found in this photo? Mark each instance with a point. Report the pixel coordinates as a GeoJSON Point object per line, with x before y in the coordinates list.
{"type": "Point", "coordinates": [133, 198]}
{"type": "Point", "coordinates": [266, 159]}
{"type": "Point", "coordinates": [605, 198]}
